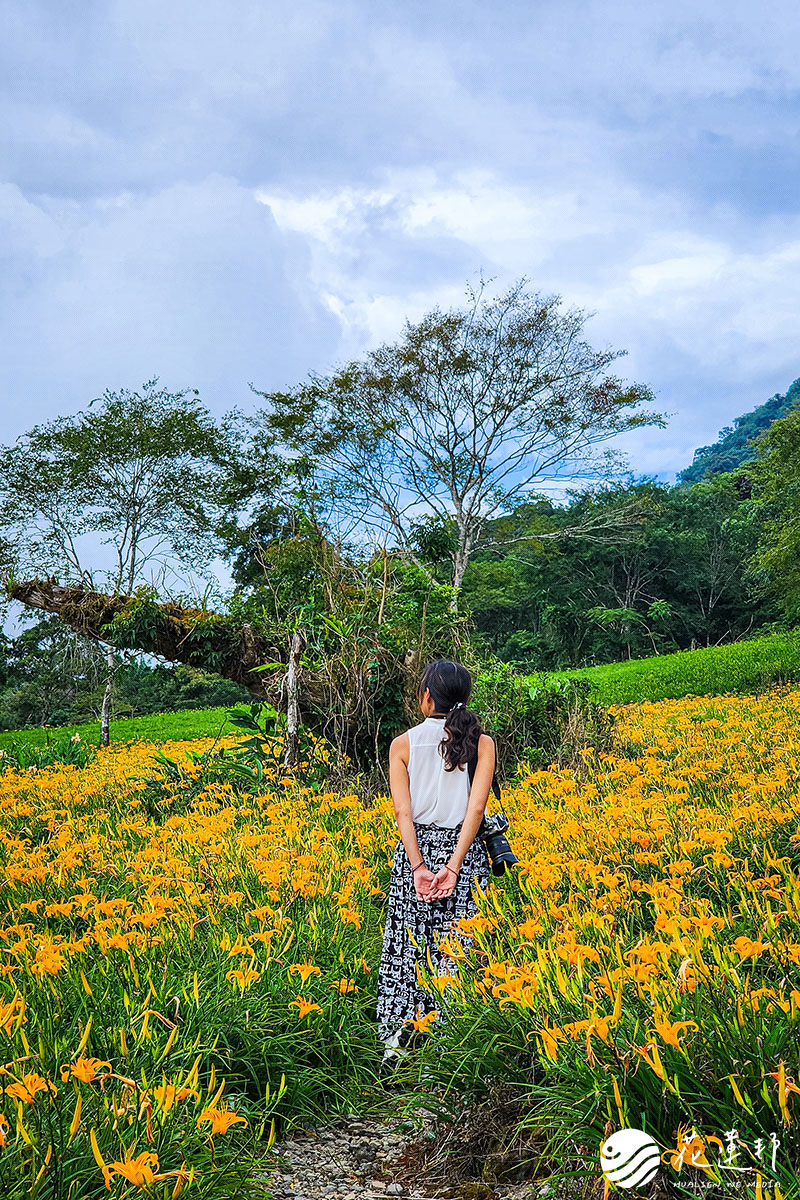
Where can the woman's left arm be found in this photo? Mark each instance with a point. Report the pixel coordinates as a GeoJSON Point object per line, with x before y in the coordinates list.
{"type": "Point", "coordinates": [445, 879]}
{"type": "Point", "coordinates": [401, 797]}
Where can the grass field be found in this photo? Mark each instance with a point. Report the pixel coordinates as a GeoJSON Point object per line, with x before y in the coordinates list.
{"type": "Point", "coordinates": [160, 727]}
{"type": "Point", "coordinates": [747, 666]}
{"type": "Point", "coordinates": [183, 960]}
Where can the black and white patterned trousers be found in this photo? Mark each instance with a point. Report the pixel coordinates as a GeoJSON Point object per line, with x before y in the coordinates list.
{"type": "Point", "coordinates": [414, 926]}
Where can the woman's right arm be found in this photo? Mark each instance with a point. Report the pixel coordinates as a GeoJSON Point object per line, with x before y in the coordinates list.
{"type": "Point", "coordinates": [445, 880]}
{"type": "Point", "coordinates": [401, 798]}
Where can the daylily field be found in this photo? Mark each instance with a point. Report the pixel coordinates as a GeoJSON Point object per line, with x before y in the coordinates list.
{"type": "Point", "coordinates": [183, 962]}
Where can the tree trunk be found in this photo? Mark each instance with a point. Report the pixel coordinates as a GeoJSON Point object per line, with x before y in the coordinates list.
{"type": "Point", "coordinates": [460, 564]}
{"type": "Point", "coordinates": [105, 712]}
{"type": "Point", "coordinates": [382, 608]}
{"type": "Point", "coordinates": [334, 708]}
{"type": "Point", "coordinates": [292, 712]}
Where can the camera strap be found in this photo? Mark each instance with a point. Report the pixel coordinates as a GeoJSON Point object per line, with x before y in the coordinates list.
{"type": "Point", "coordinates": [471, 765]}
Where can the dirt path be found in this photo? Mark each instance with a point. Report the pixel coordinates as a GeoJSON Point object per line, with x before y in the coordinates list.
{"type": "Point", "coordinates": [359, 1158]}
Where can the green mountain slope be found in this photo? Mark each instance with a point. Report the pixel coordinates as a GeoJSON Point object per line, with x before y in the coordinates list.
{"type": "Point", "coordinates": [731, 448]}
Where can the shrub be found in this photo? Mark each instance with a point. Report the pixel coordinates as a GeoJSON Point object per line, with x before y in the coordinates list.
{"type": "Point", "coordinates": [536, 719]}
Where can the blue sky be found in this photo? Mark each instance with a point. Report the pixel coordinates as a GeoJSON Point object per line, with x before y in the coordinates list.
{"type": "Point", "coordinates": [218, 194]}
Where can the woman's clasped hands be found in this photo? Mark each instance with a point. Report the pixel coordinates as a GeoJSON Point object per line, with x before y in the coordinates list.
{"type": "Point", "coordinates": [434, 885]}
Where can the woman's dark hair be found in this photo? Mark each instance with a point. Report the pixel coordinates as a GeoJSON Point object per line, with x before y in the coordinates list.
{"type": "Point", "coordinates": [450, 686]}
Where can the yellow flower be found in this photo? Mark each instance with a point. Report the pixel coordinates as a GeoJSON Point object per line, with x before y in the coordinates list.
{"type": "Point", "coordinates": [749, 948]}
{"type": "Point", "coordinates": [345, 985]}
{"type": "Point", "coordinates": [220, 1119]}
{"type": "Point", "coordinates": [423, 1023]}
{"type": "Point", "coordinates": [349, 916]}
{"type": "Point", "coordinates": [785, 1088]}
{"type": "Point", "coordinates": [166, 1094]}
{"type": "Point", "coordinates": [304, 1006]}
{"type": "Point", "coordinates": [671, 1032]}
{"type": "Point", "coordinates": [691, 1150]}
{"type": "Point", "coordinates": [243, 978]}
{"type": "Point", "coordinates": [550, 1038]}
{"type": "Point", "coordinates": [653, 1062]}
{"type": "Point", "coordinates": [10, 1013]}
{"type": "Point", "coordinates": [304, 970]}
{"type": "Point", "coordinates": [27, 1088]}
{"type": "Point", "coordinates": [687, 979]}
{"type": "Point", "coordinates": [139, 1170]}
{"type": "Point", "coordinates": [84, 1069]}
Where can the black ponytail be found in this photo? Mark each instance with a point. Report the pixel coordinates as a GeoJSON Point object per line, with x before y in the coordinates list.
{"type": "Point", "coordinates": [450, 686]}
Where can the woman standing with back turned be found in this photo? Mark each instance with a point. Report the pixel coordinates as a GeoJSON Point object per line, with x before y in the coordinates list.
{"type": "Point", "coordinates": [438, 857]}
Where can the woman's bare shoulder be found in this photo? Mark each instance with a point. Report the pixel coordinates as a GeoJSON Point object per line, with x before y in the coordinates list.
{"type": "Point", "coordinates": [399, 745]}
{"type": "Point", "coordinates": [485, 744]}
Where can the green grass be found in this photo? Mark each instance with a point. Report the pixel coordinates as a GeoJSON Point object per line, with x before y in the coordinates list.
{"type": "Point", "coordinates": [159, 727]}
{"type": "Point", "coordinates": [738, 667]}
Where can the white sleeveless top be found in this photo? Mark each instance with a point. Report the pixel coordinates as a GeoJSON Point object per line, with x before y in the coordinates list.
{"type": "Point", "coordinates": [438, 797]}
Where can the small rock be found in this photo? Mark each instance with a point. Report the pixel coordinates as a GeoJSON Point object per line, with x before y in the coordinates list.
{"type": "Point", "coordinates": [394, 1189]}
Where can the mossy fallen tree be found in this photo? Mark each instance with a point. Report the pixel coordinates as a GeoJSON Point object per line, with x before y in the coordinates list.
{"type": "Point", "coordinates": [178, 634]}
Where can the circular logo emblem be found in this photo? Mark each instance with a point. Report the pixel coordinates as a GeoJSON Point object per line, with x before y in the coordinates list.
{"type": "Point", "coordinates": [629, 1157]}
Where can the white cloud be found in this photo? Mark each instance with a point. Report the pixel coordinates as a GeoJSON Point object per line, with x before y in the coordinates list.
{"type": "Point", "coordinates": [195, 283]}
{"type": "Point", "coordinates": [699, 293]}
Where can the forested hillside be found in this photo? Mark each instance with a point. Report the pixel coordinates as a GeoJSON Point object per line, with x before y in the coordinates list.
{"type": "Point", "coordinates": [733, 446]}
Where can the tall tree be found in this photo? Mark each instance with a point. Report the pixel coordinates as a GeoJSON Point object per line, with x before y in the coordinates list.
{"type": "Point", "coordinates": [460, 418]}
{"type": "Point", "coordinates": [138, 473]}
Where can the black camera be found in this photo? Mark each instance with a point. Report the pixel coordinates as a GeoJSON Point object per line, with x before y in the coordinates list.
{"type": "Point", "coordinates": [492, 832]}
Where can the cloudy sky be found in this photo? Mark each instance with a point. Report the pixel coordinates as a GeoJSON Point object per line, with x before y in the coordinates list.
{"type": "Point", "coordinates": [221, 193]}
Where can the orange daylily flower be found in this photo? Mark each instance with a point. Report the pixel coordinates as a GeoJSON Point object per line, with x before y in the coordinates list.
{"type": "Point", "coordinates": [27, 1088]}
{"type": "Point", "coordinates": [785, 1088]}
{"type": "Point", "coordinates": [670, 1032]}
{"type": "Point", "coordinates": [243, 978]}
{"type": "Point", "coordinates": [304, 1006]}
{"type": "Point", "coordinates": [345, 985]}
{"type": "Point", "coordinates": [304, 970]}
{"type": "Point", "coordinates": [691, 1150]}
{"type": "Point", "coordinates": [220, 1119]}
{"type": "Point", "coordinates": [10, 1013]}
{"type": "Point", "coordinates": [653, 1062]}
{"type": "Point", "coordinates": [687, 978]}
{"type": "Point", "coordinates": [551, 1036]}
{"type": "Point", "coordinates": [139, 1170]}
{"type": "Point", "coordinates": [166, 1094]}
{"type": "Point", "coordinates": [423, 1023]}
{"type": "Point", "coordinates": [84, 1069]}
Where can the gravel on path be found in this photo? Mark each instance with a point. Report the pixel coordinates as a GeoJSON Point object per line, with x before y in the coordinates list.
{"type": "Point", "coordinates": [361, 1158]}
